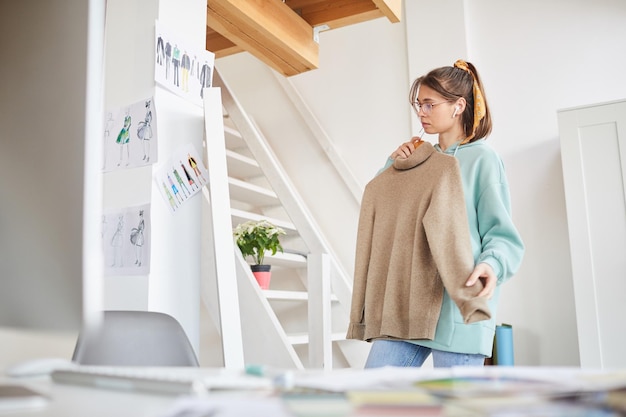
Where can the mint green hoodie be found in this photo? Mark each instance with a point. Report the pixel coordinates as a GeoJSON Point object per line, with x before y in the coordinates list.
{"type": "Point", "coordinates": [495, 241]}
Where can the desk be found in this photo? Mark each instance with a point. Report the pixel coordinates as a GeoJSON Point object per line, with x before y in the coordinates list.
{"type": "Point", "coordinates": [71, 401]}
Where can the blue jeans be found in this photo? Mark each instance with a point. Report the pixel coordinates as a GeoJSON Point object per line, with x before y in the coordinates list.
{"type": "Point", "coordinates": [401, 353]}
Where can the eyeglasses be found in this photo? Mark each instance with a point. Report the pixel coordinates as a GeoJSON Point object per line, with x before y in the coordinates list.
{"type": "Point", "coordinates": [426, 108]}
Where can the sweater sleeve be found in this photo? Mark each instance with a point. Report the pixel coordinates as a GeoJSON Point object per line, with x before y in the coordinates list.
{"type": "Point", "coordinates": [356, 328]}
{"type": "Point", "coordinates": [448, 237]}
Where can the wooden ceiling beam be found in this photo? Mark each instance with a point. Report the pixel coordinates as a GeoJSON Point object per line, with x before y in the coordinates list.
{"type": "Point", "coordinates": [269, 30]}
{"type": "Point", "coordinates": [336, 13]}
{"type": "Point", "coordinates": [392, 9]}
{"type": "Point", "coordinates": [283, 51]}
{"type": "Point", "coordinates": [220, 45]}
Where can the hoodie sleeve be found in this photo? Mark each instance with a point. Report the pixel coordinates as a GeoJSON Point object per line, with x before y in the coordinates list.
{"type": "Point", "coordinates": [388, 163]}
{"type": "Point", "coordinates": [502, 246]}
{"type": "Point", "coordinates": [447, 231]}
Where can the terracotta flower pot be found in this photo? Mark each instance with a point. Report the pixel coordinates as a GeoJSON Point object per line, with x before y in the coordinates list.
{"type": "Point", "coordinates": [262, 274]}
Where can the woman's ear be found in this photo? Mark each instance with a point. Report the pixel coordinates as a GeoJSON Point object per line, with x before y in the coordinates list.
{"type": "Point", "coordinates": [461, 103]}
{"type": "Point", "coordinates": [459, 107]}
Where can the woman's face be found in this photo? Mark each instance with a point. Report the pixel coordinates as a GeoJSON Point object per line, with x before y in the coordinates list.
{"type": "Point", "coordinates": [435, 112]}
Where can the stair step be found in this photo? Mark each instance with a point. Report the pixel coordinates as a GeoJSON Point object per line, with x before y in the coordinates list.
{"type": "Point", "coordinates": [303, 338]}
{"type": "Point", "coordinates": [286, 260]}
{"type": "Point", "coordinates": [252, 194]}
{"type": "Point", "coordinates": [241, 216]}
{"type": "Point", "coordinates": [286, 295]}
{"type": "Point", "coordinates": [241, 166]}
{"type": "Point", "coordinates": [233, 138]}
{"type": "Point", "coordinates": [290, 295]}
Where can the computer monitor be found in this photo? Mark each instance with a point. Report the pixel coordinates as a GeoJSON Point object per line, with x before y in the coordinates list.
{"type": "Point", "coordinates": [50, 181]}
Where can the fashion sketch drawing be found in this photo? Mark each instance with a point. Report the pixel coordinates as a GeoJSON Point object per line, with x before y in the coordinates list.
{"type": "Point", "coordinates": [182, 178]}
{"type": "Point", "coordinates": [126, 242]}
{"type": "Point", "coordinates": [175, 68]}
{"type": "Point", "coordinates": [130, 136]}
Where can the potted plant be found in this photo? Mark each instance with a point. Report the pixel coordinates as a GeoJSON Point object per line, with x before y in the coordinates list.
{"type": "Point", "coordinates": [254, 239]}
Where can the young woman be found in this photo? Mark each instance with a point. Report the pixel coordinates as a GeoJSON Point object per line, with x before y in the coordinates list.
{"type": "Point", "coordinates": [450, 103]}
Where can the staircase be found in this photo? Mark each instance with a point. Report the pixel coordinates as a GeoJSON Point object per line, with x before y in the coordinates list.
{"type": "Point", "coordinates": [301, 321]}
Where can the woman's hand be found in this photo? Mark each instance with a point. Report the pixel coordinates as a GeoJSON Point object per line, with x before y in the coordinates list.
{"type": "Point", "coordinates": [406, 149]}
{"type": "Point", "coordinates": [485, 273]}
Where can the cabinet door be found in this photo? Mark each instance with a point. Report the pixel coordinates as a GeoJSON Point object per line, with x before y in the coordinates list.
{"type": "Point", "coordinates": [593, 152]}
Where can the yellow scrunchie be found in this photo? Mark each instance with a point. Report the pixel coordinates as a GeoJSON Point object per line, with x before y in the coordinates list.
{"type": "Point", "coordinates": [479, 101]}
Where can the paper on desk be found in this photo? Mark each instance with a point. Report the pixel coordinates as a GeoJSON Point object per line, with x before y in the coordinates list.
{"type": "Point", "coordinates": [317, 404]}
{"type": "Point", "coordinates": [231, 405]}
{"type": "Point", "coordinates": [568, 378]}
{"type": "Point", "coordinates": [404, 398]}
{"type": "Point", "coordinates": [343, 380]}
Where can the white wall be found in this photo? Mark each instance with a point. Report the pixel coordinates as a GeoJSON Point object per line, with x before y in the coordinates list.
{"type": "Point", "coordinates": [557, 54]}
{"type": "Point", "coordinates": [173, 283]}
{"type": "Point", "coordinates": [535, 57]}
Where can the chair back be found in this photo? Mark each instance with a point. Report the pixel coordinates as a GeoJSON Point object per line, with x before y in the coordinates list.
{"type": "Point", "coordinates": [135, 338]}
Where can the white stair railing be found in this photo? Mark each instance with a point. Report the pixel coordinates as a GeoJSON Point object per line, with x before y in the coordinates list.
{"type": "Point", "coordinates": [319, 308]}
{"type": "Point", "coordinates": [286, 192]}
{"type": "Point", "coordinates": [220, 227]}
{"type": "Point", "coordinates": [325, 282]}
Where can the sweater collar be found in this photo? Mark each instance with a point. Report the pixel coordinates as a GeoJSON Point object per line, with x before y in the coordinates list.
{"type": "Point", "coordinates": [421, 154]}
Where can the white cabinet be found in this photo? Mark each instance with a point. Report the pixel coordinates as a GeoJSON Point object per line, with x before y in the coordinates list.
{"type": "Point", "coordinates": [593, 152]}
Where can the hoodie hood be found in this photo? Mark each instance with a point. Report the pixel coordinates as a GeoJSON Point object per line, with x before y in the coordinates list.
{"type": "Point", "coordinates": [452, 150]}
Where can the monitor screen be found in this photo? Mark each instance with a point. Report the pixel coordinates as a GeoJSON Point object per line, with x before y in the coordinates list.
{"type": "Point", "coordinates": [50, 181]}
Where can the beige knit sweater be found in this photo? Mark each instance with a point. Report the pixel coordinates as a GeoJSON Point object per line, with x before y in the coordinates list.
{"type": "Point", "coordinates": [412, 241]}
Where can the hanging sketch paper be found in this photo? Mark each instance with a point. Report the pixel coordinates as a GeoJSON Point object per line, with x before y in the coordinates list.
{"type": "Point", "coordinates": [182, 176]}
{"type": "Point", "coordinates": [184, 70]}
{"type": "Point", "coordinates": [126, 240]}
{"type": "Point", "coordinates": [130, 136]}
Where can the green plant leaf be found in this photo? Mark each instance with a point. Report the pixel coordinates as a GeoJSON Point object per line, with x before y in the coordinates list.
{"type": "Point", "coordinates": [255, 238]}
